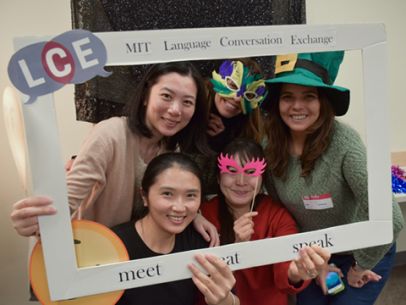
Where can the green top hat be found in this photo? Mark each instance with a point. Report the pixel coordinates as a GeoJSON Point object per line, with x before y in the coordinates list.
{"type": "Point", "coordinates": [315, 70]}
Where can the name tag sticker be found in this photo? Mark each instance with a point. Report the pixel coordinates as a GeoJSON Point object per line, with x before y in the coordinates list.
{"type": "Point", "coordinates": [318, 202]}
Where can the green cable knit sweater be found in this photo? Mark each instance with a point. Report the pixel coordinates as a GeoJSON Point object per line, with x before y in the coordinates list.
{"type": "Point", "coordinates": [341, 172]}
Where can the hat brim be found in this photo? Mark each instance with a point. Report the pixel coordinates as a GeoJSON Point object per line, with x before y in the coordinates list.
{"type": "Point", "coordinates": [339, 97]}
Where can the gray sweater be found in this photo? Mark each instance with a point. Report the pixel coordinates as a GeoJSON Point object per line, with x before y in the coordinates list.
{"type": "Point", "coordinates": [341, 172]}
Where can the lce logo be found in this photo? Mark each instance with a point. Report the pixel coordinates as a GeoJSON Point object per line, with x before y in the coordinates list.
{"type": "Point", "coordinates": [44, 67]}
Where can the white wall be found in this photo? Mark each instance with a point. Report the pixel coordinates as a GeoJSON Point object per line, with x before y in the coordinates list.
{"type": "Point", "coordinates": [50, 17]}
{"type": "Point", "coordinates": [391, 13]}
{"type": "Point", "coordinates": [27, 18]}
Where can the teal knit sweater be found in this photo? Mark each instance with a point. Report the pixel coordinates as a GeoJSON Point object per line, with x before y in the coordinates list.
{"type": "Point", "coordinates": [341, 172]}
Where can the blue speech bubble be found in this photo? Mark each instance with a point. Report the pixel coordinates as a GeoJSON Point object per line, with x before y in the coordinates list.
{"type": "Point", "coordinates": [89, 54]}
{"type": "Point", "coordinates": [72, 57]}
{"type": "Point", "coordinates": [27, 73]}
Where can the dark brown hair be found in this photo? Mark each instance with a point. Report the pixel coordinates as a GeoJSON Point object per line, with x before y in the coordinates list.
{"type": "Point", "coordinates": [279, 137]}
{"type": "Point", "coordinates": [253, 123]}
{"type": "Point", "coordinates": [191, 138]}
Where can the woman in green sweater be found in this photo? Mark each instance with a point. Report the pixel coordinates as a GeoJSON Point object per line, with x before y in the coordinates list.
{"type": "Point", "coordinates": [319, 171]}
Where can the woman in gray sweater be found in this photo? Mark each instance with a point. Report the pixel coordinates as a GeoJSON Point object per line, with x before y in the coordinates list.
{"type": "Point", "coordinates": [319, 170]}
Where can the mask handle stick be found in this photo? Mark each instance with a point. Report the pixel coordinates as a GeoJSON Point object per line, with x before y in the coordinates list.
{"type": "Point", "coordinates": [253, 197]}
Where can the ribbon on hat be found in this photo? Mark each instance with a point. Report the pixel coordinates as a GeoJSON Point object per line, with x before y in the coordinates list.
{"type": "Point", "coordinates": [235, 80]}
{"type": "Point", "coordinates": [289, 62]}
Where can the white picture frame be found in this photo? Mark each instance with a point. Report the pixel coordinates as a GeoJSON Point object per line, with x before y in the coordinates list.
{"type": "Point", "coordinates": [67, 281]}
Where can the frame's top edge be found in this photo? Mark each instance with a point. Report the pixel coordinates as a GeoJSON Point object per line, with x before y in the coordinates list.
{"type": "Point", "coordinates": [372, 25]}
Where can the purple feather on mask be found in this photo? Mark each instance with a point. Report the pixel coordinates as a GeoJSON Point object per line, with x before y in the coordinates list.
{"type": "Point", "coordinates": [242, 90]}
{"type": "Point", "coordinates": [226, 68]}
{"type": "Point", "coordinates": [260, 90]}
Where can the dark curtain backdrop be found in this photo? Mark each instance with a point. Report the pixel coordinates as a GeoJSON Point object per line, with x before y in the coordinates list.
{"type": "Point", "coordinates": [101, 98]}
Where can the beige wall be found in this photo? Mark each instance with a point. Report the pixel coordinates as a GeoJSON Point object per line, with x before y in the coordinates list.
{"type": "Point", "coordinates": [27, 18]}
{"type": "Point", "coordinates": [50, 17]}
{"type": "Point", "coordinates": [363, 11]}
{"type": "Point", "coordinates": [391, 14]}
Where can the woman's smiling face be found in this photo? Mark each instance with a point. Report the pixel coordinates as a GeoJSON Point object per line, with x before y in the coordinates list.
{"type": "Point", "coordinates": [299, 107]}
{"type": "Point", "coordinates": [173, 203]}
{"type": "Point", "coordinates": [239, 188]}
{"type": "Point", "coordinates": [171, 104]}
{"type": "Point", "coordinates": [228, 107]}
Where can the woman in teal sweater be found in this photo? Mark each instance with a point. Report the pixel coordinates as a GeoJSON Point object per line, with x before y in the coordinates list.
{"type": "Point", "coordinates": [319, 171]}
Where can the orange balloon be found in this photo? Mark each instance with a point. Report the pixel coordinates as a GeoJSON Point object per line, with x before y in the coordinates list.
{"type": "Point", "coordinates": [90, 238]}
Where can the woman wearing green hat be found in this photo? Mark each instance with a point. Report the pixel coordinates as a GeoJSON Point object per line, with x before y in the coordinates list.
{"type": "Point", "coordinates": [318, 168]}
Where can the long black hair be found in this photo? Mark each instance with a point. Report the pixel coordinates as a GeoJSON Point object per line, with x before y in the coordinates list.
{"type": "Point", "coordinates": [192, 138]}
